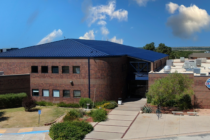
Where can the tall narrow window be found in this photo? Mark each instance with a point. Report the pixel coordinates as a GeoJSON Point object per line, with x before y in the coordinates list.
{"type": "Point", "coordinates": [55, 69]}
{"type": "Point", "coordinates": [34, 69]}
{"type": "Point", "coordinates": [76, 69]}
{"type": "Point", "coordinates": [45, 93]}
{"type": "Point", "coordinates": [35, 92]}
{"type": "Point", "coordinates": [65, 69]}
{"type": "Point", "coordinates": [44, 69]}
{"type": "Point", "coordinates": [77, 93]}
{"type": "Point", "coordinates": [66, 93]}
{"type": "Point", "coordinates": [56, 93]}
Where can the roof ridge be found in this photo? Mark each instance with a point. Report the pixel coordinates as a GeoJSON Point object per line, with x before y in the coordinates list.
{"type": "Point", "coordinates": [90, 47]}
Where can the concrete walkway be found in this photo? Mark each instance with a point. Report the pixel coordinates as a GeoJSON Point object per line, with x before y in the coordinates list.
{"type": "Point", "coordinates": [119, 121]}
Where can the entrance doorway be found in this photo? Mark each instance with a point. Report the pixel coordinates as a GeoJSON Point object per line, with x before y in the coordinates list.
{"type": "Point", "coordinates": [137, 88]}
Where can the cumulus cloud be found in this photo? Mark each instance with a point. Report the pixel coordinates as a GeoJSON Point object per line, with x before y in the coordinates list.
{"type": "Point", "coordinates": [114, 39]}
{"type": "Point", "coordinates": [172, 7]}
{"type": "Point", "coordinates": [88, 35]}
{"type": "Point", "coordinates": [188, 21]}
{"type": "Point", "coordinates": [101, 12]}
{"type": "Point", "coordinates": [51, 36]}
{"type": "Point", "coordinates": [104, 30]}
{"type": "Point", "coordinates": [102, 22]}
{"type": "Point", "coordinates": [142, 2]}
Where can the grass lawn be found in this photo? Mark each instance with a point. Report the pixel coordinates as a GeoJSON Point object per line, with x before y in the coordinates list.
{"type": "Point", "coordinates": [17, 117]}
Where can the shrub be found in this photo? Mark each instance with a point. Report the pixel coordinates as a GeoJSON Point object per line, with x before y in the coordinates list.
{"type": "Point", "coordinates": [185, 102]}
{"type": "Point", "coordinates": [111, 105]}
{"type": "Point", "coordinates": [99, 115]}
{"type": "Point", "coordinates": [73, 114]}
{"type": "Point", "coordinates": [73, 105]}
{"type": "Point", "coordinates": [83, 102]}
{"type": "Point", "coordinates": [12, 100]}
{"type": "Point", "coordinates": [70, 130]}
{"type": "Point", "coordinates": [149, 98]}
{"type": "Point", "coordinates": [100, 103]}
{"type": "Point", "coordinates": [28, 103]}
{"type": "Point", "coordinates": [147, 109]}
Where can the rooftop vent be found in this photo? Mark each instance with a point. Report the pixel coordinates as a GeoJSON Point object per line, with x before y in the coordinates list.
{"type": "Point", "coordinates": [182, 59]}
{"type": "Point", "coordinates": [167, 69]}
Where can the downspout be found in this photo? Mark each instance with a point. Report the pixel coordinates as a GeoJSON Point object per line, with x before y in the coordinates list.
{"type": "Point", "coordinates": [89, 76]}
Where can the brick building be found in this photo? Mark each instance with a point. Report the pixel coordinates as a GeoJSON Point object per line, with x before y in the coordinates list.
{"type": "Point", "coordinates": [69, 69]}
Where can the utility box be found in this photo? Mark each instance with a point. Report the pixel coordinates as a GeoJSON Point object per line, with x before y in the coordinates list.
{"type": "Point", "coordinates": [197, 70]}
{"type": "Point", "coordinates": [182, 59]}
{"type": "Point", "coordinates": [198, 62]}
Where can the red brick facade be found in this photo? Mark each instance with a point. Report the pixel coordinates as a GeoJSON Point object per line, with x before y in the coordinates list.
{"type": "Point", "coordinates": [15, 84]}
{"type": "Point", "coordinates": [107, 77]}
{"type": "Point", "coordinates": [201, 92]}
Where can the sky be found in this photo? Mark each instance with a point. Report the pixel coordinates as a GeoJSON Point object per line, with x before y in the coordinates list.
{"type": "Point", "coordinates": [176, 23]}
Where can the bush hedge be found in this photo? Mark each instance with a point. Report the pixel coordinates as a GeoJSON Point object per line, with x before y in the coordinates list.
{"type": "Point", "coordinates": [28, 103]}
{"type": "Point", "coordinates": [73, 105]}
{"type": "Point", "coordinates": [73, 114]}
{"type": "Point", "coordinates": [12, 100]}
{"type": "Point", "coordinates": [75, 130]}
{"type": "Point", "coordinates": [98, 115]}
{"type": "Point", "coordinates": [83, 102]}
{"type": "Point", "coordinates": [44, 103]}
{"type": "Point", "coordinates": [107, 105]}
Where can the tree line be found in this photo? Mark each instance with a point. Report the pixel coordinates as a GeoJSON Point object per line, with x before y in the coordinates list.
{"type": "Point", "coordinates": [162, 48]}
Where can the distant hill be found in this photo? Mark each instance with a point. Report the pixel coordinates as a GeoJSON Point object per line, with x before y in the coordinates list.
{"type": "Point", "coordinates": [191, 48]}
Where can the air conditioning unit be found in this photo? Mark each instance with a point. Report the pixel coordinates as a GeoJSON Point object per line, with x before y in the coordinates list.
{"type": "Point", "coordinates": [182, 59]}
{"type": "Point", "coordinates": [198, 62]}
{"type": "Point", "coordinates": [169, 62]}
{"type": "Point", "coordinates": [203, 74]}
{"type": "Point", "coordinates": [197, 70]}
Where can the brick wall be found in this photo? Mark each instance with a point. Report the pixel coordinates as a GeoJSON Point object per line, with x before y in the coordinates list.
{"type": "Point", "coordinates": [159, 63]}
{"type": "Point", "coordinates": [106, 77]}
{"type": "Point", "coordinates": [15, 84]}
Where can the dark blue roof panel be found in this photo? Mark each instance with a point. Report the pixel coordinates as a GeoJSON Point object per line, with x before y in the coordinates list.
{"type": "Point", "coordinates": [82, 48]}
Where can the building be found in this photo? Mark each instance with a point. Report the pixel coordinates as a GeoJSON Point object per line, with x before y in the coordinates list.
{"type": "Point", "coordinates": [7, 49]}
{"type": "Point", "coordinates": [198, 72]}
{"type": "Point", "coordinates": [199, 55]}
{"type": "Point", "coordinates": [64, 71]}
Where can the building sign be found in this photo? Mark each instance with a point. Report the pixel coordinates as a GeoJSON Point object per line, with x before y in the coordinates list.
{"type": "Point", "coordinates": [208, 83]}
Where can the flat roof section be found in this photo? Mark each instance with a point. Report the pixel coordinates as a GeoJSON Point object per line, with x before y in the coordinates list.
{"type": "Point", "coordinates": [178, 66]}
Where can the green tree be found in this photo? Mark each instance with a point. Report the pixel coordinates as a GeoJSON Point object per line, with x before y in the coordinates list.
{"type": "Point", "coordinates": [162, 48]}
{"type": "Point", "coordinates": [172, 87]}
{"type": "Point", "coordinates": [150, 46]}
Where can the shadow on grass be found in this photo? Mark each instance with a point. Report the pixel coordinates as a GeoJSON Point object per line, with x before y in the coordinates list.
{"type": "Point", "coordinates": [3, 118]}
{"type": "Point", "coordinates": [34, 110]}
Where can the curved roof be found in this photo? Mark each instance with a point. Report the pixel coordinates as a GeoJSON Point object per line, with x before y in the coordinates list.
{"type": "Point", "coordinates": [82, 48]}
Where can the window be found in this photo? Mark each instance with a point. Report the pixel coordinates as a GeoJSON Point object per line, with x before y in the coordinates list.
{"type": "Point", "coordinates": [76, 69]}
{"type": "Point", "coordinates": [34, 69]}
{"type": "Point", "coordinates": [35, 92]}
{"type": "Point", "coordinates": [66, 93]}
{"type": "Point", "coordinates": [56, 93]}
{"type": "Point", "coordinates": [55, 69]}
{"type": "Point", "coordinates": [77, 93]}
{"type": "Point", "coordinates": [45, 92]}
{"type": "Point", "coordinates": [44, 69]}
{"type": "Point", "coordinates": [65, 69]}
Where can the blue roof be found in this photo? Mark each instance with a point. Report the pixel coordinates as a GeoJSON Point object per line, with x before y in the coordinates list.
{"type": "Point", "coordinates": [82, 48]}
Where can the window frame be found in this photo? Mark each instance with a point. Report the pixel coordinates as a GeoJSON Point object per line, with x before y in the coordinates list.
{"type": "Point", "coordinates": [52, 69]}
{"type": "Point", "coordinates": [62, 70]}
{"type": "Point", "coordinates": [53, 93]}
{"type": "Point", "coordinates": [33, 92]}
{"type": "Point", "coordinates": [43, 92]}
{"type": "Point", "coordinates": [77, 96]}
{"type": "Point", "coordinates": [73, 69]}
{"type": "Point", "coordinates": [69, 93]}
{"type": "Point", "coordinates": [37, 69]}
{"type": "Point", "coordinates": [47, 69]}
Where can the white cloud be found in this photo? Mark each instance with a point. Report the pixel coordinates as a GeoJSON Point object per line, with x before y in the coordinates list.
{"type": "Point", "coordinates": [142, 2]}
{"type": "Point", "coordinates": [114, 39]}
{"type": "Point", "coordinates": [104, 30]}
{"type": "Point", "coordinates": [189, 21]}
{"type": "Point", "coordinates": [102, 11]}
{"type": "Point", "coordinates": [102, 22]}
{"type": "Point", "coordinates": [51, 36]}
{"type": "Point", "coordinates": [172, 7]}
{"type": "Point", "coordinates": [88, 35]}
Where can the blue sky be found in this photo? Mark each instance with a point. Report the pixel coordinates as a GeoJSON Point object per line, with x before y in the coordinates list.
{"type": "Point", "coordinates": [25, 23]}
